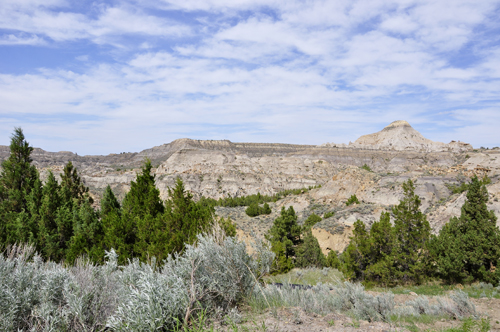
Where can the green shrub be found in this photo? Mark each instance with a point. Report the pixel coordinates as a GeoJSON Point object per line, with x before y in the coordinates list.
{"type": "Point", "coordinates": [471, 325]}
{"type": "Point", "coordinates": [366, 168]}
{"type": "Point", "coordinates": [332, 260]}
{"type": "Point", "coordinates": [328, 214]}
{"type": "Point", "coordinates": [352, 200]}
{"type": "Point", "coordinates": [312, 220]}
{"type": "Point", "coordinates": [391, 254]}
{"type": "Point", "coordinates": [462, 187]}
{"type": "Point", "coordinates": [255, 210]}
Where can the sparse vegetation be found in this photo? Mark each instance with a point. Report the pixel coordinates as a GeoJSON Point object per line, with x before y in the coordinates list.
{"type": "Point", "coordinates": [312, 220]}
{"type": "Point", "coordinates": [464, 186]}
{"type": "Point", "coordinates": [307, 276]}
{"type": "Point", "coordinates": [352, 200]}
{"type": "Point", "coordinates": [255, 210]}
{"type": "Point", "coordinates": [352, 299]}
{"type": "Point", "coordinates": [328, 214]}
{"type": "Point", "coordinates": [366, 168]}
{"type": "Point", "coordinates": [253, 199]}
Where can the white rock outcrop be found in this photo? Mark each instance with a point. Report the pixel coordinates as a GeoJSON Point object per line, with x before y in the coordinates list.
{"type": "Point", "coordinates": [400, 136]}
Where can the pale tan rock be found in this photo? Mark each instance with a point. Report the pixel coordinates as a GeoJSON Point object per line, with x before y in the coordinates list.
{"type": "Point", "coordinates": [400, 136]}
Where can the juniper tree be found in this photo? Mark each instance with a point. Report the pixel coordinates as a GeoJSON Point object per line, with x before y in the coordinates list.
{"type": "Point", "coordinates": [253, 210]}
{"type": "Point", "coordinates": [17, 179]}
{"type": "Point", "coordinates": [110, 214]}
{"type": "Point", "coordinates": [109, 203]}
{"type": "Point", "coordinates": [140, 206]}
{"type": "Point", "coordinates": [468, 247]}
{"type": "Point", "coordinates": [412, 232]}
{"type": "Point", "coordinates": [284, 236]}
{"type": "Point", "coordinates": [48, 239]}
{"type": "Point", "coordinates": [356, 255]}
{"type": "Point", "coordinates": [88, 235]}
{"type": "Point", "coordinates": [143, 197]}
{"type": "Point", "coordinates": [382, 244]}
{"type": "Point", "coordinates": [185, 219]}
{"type": "Point", "coordinates": [73, 186]}
{"type": "Point", "coordinates": [309, 252]}
{"type": "Point", "coordinates": [332, 260]}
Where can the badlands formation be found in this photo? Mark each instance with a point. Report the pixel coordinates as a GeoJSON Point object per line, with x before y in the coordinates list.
{"type": "Point", "coordinates": [219, 168]}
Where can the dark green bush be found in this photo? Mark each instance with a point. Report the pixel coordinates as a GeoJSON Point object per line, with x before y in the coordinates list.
{"type": "Point", "coordinates": [328, 214]}
{"type": "Point", "coordinates": [352, 200]}
{"type": "Point", "coordinates": [255, 210]}
{"type": "Point", "coordinates": [312, 220]}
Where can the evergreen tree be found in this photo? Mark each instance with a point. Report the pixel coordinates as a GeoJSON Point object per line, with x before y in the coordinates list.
{"type": "Point", "coordinates": [17, 179]}
{"type": "Point", "coordinates": [143, 197]}
{"type": "Point", "coordinates": [266, 209]}
{"type": "Point", "coordinates": [382, 244]}
{"type": "Point", "coordinates": [468, 248]}
{"type": "Point", "coordinates": [88, 235]}
{"type": "Point", "coordinates": [412, 232]}
{"type": "Point", "coordinates": [356, 255]}
{"type": "Point", "coordinates": [284, 236]}
{"type": "Point", "coordinates": [131, 232]}
{"type": "Point", "coordinates": [112, 222]}
{"type": "Point", "coordinates": [185, 218]}
{"type": "Point", "coordinates": [26, 223]}
{"type": "Point", "coordinates": [73, 186]}
{"type": "Point", "coordinates": [48, 238]}
{"type": "Point", "coordinates": [352, 200]}
{"type": "Point", "coordinates": [332, 260]}
{"type": "Point", "coordinates": [109, 203]}
{"type": "Point", "coordinates": [309, 252]}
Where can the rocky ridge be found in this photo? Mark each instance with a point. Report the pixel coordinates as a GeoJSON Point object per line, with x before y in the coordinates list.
{"type": "Point", "coordinates": [400, 136]}
{"type": "Point", "coordinates": [372, 168]}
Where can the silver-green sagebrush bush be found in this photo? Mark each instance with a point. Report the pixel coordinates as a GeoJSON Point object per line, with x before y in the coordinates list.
{"type": "Point", "coordinates": [210, 277]}
{"type": "Point", "coordinates": [352, 298]}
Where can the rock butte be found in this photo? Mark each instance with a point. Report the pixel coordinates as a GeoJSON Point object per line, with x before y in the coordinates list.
{"type": "Point", "coordinates": [219, 168]}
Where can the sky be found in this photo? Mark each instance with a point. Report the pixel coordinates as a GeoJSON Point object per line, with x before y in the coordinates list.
{"type": "Point", "coordinates": [99, 77]}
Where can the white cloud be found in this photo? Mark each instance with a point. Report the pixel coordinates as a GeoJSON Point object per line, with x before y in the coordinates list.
{"type": "Point", "coordinates": [67, 26]}
{"type": "Point", "coordinates": [11, 39]}
{"type": "Point", "coordinates": [254, 71]}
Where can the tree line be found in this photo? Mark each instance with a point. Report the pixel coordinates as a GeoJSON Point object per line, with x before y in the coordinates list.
{"type": "Point", "coordinates": [58, 219]}
{"type": "Point", "coordinates": [403, 250]}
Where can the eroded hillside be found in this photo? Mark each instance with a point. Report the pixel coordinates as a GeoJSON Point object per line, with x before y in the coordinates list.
{"type": "Point", "coordinates": [218, 169]}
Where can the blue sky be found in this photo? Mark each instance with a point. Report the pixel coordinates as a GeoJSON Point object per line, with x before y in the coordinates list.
{"type": "Point", "coordinates": [98, 77]}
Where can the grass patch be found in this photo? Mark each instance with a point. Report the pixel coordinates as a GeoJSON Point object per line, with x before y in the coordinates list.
{"type": "Point", "coordinates": [307, 276]}
{"type": "Point", "coordinates": [436, 288]}
{"type": "Point", "coordinates": [472, 325]}
{"type": "Point", "coordinates": [429, 289]}
{"type": "Point", "coordinates": [421, 319]}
